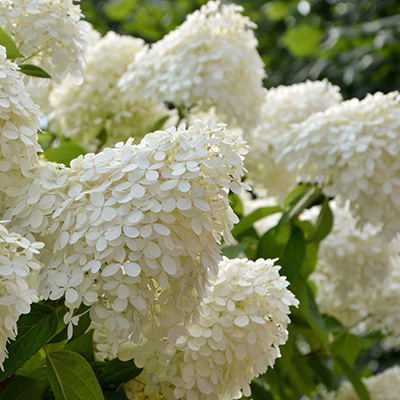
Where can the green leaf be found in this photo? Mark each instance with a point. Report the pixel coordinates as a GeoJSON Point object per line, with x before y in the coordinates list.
{"type": "Point", "coordinates": [276, 10]}
{"type": "Point", "coordinates": [160, 123]}
{"type": "Point", "coordinates": [34, 70]}
{"type": "Point", "coordinates": [102, 137]}
{"type": "Point", "coordinates": [293, 255]}
{"type": "Point", "coordinates": [247, 222]}
{"type": "Point", "coordinates": [116, 372]}
{"type": "Point", "coordinates": [273, 242]}
{"type": "Point", "coordinates": [45, 140]}
{"type": "Point", "coordinates": [309, 309]}
{"type": "Point", "coordinates": [300, 202]}
{"type": "Point", "coordinates": [8, 43]}
{"type": "Point", "coordinates": [310, 260]}
{"type": "Point", "coordinates": [235, 250]}
{"type": "Point", "coordinates": [34, 329]}
{"type": "Point", "coordinates": [236, 204]}
{"type": "Point", "coordinates": [65, 153]}
{"type": "Point", "coordinates": [323, 373]}
{"type": "Point", "coordinates": [71, 377]}
{"type": "Point", "coordinates": [303, 40]}
{"type": "Point", "coordinates": [353, 377]}
{"type": "Point", "coordinates": [113, 396]}
{"type": "Point", "coordinates": [118, 10]}
{"type": "Point", "coordinates": [82, 345]}
{"type": "Point", "coordinates": [347, 346]}
{"type": "Point", "coordinates": [324, 223]}
{"type": "Point", "coordinates": [333, 325]}
{"type": "Point", "coordinates": [22, 387]}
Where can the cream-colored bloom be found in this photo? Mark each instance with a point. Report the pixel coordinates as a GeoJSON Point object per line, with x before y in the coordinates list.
{"type": "Point", "coordinates": [211, 59]}
{"type": "Point", "coordinates": [134, 230]}
{"type": "Point", "coordinates": [383, 386]}
{"type": "Point", "coordinates": [283, 107]}
{"type": "Point", "coordinates": [241, 325]}
{"type": "Point", "coordinates": [16, 292]}
{"type": "Point", "coordinates": [358, 275]}
{"type": "Point", "coordinates": [86, 109]}
{"type": "Point", "coordinates": [49, 33]}
{"type": "Point", "coordinates": [18, 132]}
{"type": "Point", "coordinates": [353, 149]}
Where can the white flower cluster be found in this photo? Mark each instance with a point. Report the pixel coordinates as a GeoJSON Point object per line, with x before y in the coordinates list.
{"type": "Point", "coordinates": [241, 326]}
{"type": "Point", "coordinates": [95, 104]}
{"type": "Point", "coordinates": [383, 386]}
{"type": "Point", "coordinates": [48, 33]}
{"type": "Point", "coordinates": [283, 107]}
{"type": "Point", "coordinates": [211, 59]}
{"type": "Point", "coordinates": [353, 150]}
{"type": "Point", "coordinates": [16, 292]}
{"type": "Point", "coordinates": [18, 132]}
{"type": "Point", "coordinates": [134, 230]}
{"type": "Point", "coordinates": [358, 275]}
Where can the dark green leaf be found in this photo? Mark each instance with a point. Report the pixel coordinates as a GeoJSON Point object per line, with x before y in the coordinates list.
{"type": "Point", "coordinates": [259, 391]}
{"type": "Point", "coordinates": [310, 260]}
{"type": "Point", "coordinates": [235, 250]}
{"type": "Point", "coordinates": [34, 70]}
{"type": "Point", "coordinates": [347, 346]}
{"type": "Point", "coordinates": [247, 222]}
{"type": "Point", "coordinates": [102, 137]}
{"type": "Point", "coordinates": [82, 345]}
{"type": "Point", "coordinates": [8, 43]}
{"type": "Point", "coordinates": [353, 377]}
{"type": "Point", "coordinates": [117, 372]}
{"type": "Point", "coordinates": [63, 154]}
{"type": "Point", "coordinates": [333, 325]}
{"type": "Point", "coordinates": [303, 200]}
{"type": "Point", "coordinates": [22, 387]}
{"type": "Point", "coordinates": [323, 373]}
{"type": "Point", "coordinates": [309, 309]}
{"type": "Point", "coordinates": [273, 242]}
{"type": "Point", "coordinates": [293, 255]}
{"type": "Point", "coordinates": [71, 377]}
{"type": "Point", "coordinates": [114, 396]}
{"type": "Point", "coordinates": [324, 223]}
{"type": "Point", "coordinates": [34, 329]}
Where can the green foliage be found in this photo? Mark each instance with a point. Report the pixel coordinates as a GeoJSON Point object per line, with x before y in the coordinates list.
{"type": "Point", "coordinates": [117, 372]}
{"type": "Point", "coordinates": [8, 43]}
{"type": "Point", "coordinates": [33, 70]}
{"type": "Point", "coordinates": [34, 330]}
{"type": "Point", "coordinates": [66, 151]}
{"type": "Point", "coordinates": [71, 377]}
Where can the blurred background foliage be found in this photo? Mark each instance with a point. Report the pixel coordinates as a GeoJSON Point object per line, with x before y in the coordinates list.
{"type": "Point", "coordinates": [353, 43]}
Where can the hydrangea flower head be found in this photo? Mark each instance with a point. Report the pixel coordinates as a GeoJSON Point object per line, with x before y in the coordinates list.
{"type": "Point", "coordinates": [95, 104]}
{"type": "Point", "coordinates": [211, 59]}
{"type": "Point", "coordinates": [352, 149]}
{"type": "Point", "coordinates": [134, 230]}
{"type": "Point", "coordinates": [358, 275]}
{"type": "Point", "coordinates": [16, 293]}
{"type": "Point", "coordinates": [50, 33]}
{"type": "Point", "coordinates": [18, 131]}
{"type": "Point", "coordinates": [283, 107]}
{"type": "Point", "coordinates": [383, 386]}
{"type": "Point", "coordinates": [241, 326]}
